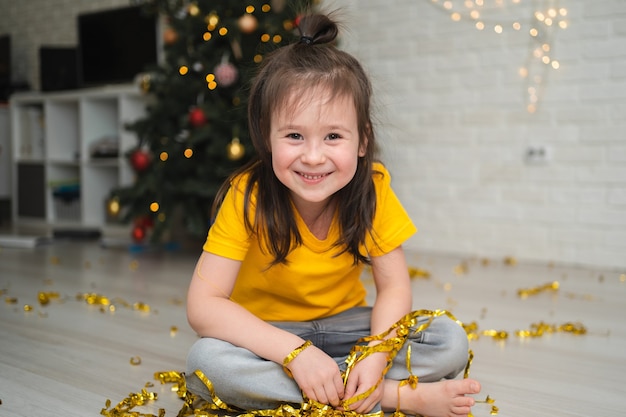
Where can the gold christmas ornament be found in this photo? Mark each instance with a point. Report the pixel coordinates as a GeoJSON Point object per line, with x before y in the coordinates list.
{"type": "Point", "coordinates": [193, 9]}
{"type": "Point", "coordinates": [143, 81]}
{"type": "Point", "coordinates": [247, 23]}
{"type": "Point", "coordinates": [113, 207]}
{"type": "Point", "coordinates": [235, 150]}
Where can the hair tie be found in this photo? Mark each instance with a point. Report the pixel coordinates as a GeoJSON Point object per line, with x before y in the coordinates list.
{"type": "Point", "coordinates": [307, 40]}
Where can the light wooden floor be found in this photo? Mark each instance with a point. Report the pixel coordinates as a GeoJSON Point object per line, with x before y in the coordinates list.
{"type": "Point", "coordinates": [68, 357]}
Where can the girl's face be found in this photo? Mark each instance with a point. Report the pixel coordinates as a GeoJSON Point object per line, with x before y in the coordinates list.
{"type": "Point", "coordinates": [315, 146]}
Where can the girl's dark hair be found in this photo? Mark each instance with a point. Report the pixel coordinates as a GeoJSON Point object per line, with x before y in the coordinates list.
{"type": "Point", "coordinates": [311, 62]}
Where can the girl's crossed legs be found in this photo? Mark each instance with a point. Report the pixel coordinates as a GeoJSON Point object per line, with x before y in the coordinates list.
{"type": "Point", "coordinates": [242, 379]}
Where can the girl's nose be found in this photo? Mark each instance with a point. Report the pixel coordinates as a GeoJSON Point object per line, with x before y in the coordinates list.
{"type": "Point", "coordinates": [313, 152]}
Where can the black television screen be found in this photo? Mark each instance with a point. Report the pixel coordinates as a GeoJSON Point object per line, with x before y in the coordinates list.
{"type": "Point", "coordinates": [115, 45]}
{"type": "Point", "coordinates": [5, 67]}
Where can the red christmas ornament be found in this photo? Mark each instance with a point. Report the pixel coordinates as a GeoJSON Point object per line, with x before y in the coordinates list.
{"type": "Point", "coordinates": [226, 74]}
{"type": "Point", "coordinates": [296, 21]}
{"type": "Point", "coordinates": [138, 234]}
{"type": "Point", "coordinates": [197, 117]}
{"type": "Point", "coordinates": [170, 36]}
{"type": "Point", "coordinates": [140, 160]}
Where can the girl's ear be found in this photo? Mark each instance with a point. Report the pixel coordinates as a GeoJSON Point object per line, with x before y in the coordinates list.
{"type": "Point", "coordinates": [363, 148]}
{"type": "Point", "coordinates": [364, 142]}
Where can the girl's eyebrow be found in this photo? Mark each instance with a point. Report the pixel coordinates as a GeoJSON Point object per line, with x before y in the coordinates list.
{"type": "Point", "coordinates": [297, 127]}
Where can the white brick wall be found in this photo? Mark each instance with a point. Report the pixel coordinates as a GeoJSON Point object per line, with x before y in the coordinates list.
{"type": "Point", "coordinates": [454, 127]}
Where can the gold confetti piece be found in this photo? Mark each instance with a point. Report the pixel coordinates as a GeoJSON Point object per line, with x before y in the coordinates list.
{"type": "Point", "coordinates": [510, 260]}
{"type": "Point", "coordinates": [133, 265]}
{"type": "Point", "coordinates": [141, 307]}
{"type": "Point", "coordinates": [418, 273]}
{"type": "Point", "coordinates": [149, 385]}
{"type": "Point", "coordinates": [541, 328]}
{"type": "Point", "coordinates": [461, 269]}
{"type": "Point", "coordinates": [447, 286]}
{"type": "Point", "coordinates": [165, 377]}
{"type": "Point", "coordinates": [54, 260]}
{"type": "Point", "coordinates": [28, 307]}
{"type": "Point", "coordinates": [94, 299]}
{"type": "Point", "coordinates": [10, 300]}
{"type": "Point", "coordinates": [485, 262]}
{"type": "Point", "coordinates": [526, 292]}
{"type": "Point", "coordinates": [173, 331]}
{"type": "Point", "coordinates": [135, 360]}
{"type": "Point", "coordinates": [123, 409]}
{"type": "Point", "coordinates": [45, 297]}
{"type": "Point", "coordinates": [496, 334]}
{"type": "Point", "coordinates": [622, 278]}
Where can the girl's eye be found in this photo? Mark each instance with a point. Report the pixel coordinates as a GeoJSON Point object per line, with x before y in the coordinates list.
{"type": "Point", "coordinates": [333, 136]}
{"type": "Point", "coordinates": [294, 136]}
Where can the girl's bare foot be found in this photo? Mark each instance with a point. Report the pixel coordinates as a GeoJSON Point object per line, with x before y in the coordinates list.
{"type": "Point", "coordinates": [447, 398]}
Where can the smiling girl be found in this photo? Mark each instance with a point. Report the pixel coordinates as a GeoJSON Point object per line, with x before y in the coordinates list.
{"type": "Point", "coordinates": [276, 295]}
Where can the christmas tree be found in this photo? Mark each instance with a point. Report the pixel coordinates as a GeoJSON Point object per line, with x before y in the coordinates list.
{"type": "Point", "coordinates": [195, 131]}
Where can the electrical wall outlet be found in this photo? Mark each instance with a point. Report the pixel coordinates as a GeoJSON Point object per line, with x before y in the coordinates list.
{"type": "Point", "coordinates": [538, 155]}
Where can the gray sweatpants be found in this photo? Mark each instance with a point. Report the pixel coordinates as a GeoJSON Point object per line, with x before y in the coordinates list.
{"type": "Point", "coordinates": [244, 380]}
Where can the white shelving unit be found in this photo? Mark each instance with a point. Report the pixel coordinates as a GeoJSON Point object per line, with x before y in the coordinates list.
{"type": "Point", "coordinates": [58, 181]}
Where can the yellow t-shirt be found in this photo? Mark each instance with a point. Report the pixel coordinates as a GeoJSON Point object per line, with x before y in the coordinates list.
{"type": "Point", "coordinates": [315, 283]}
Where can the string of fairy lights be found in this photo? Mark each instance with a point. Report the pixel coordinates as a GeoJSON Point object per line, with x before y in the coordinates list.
{"type": "Point", "coordinates": [548, 17]}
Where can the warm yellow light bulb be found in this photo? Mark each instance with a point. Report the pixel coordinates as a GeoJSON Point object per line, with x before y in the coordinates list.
{"type": "Point", "coordinates": [183, 70]}
{"type": "Point", "coordinates": [163, 156]}
{"type": "Point", "coordinates": [154, 207]}
{"type": "Point", "coordinates": [188, 153]}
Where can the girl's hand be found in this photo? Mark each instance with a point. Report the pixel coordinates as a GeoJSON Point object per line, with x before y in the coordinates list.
{"type": "Point", "coordinates": [366, 374]}
{"type": "Point", "coordinates": [318, 376]}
